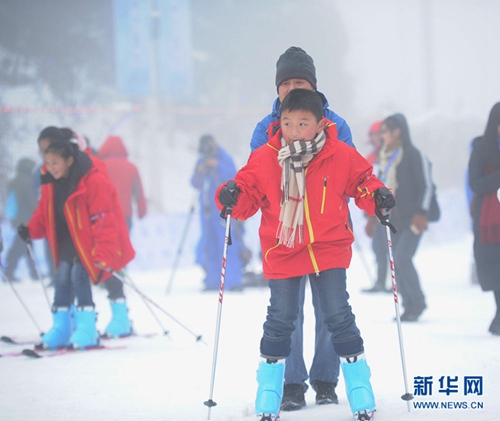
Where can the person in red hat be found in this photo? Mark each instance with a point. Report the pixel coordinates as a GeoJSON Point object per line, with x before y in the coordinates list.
{"type": "Point", "coordinates": [372, 229]}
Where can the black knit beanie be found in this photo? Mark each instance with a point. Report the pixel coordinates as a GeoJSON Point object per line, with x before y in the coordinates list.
{"type": "Point", "coordinates": [295, 63]}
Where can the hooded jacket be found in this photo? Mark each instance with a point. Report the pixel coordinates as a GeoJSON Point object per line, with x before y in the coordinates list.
{"type": "Point", "coordinates": [96, 226]}
{"type": "Point", "coordinates": [415, 189]}
{"type": "Point", "coordinates": [336, 173]}
{"type": "Point", "coordinates": [124, 175]}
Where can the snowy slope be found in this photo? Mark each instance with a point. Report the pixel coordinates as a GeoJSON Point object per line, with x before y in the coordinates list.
{"type": "Point", "coordinates": [168, 377]}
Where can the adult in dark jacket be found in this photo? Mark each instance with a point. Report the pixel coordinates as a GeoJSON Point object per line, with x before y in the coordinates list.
{"type": "Point", "coordinates": [484, 180]}
{"type": "Point", "coordinates": [214, 167]}
{"type": "Point", "coordinates": [405, 170]}
{"type": "Point", "coordinates": [125, 176]}
{"type": "Point", "coordinates": [21, 202]}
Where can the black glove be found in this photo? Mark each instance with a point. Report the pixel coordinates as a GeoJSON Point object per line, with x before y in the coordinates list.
{"type": "Point", "coordinates": [24, 233]}
{"type": "Point", "coordinates": [384, 201]}
{"type": "Point", "coordinates": [228, 196]}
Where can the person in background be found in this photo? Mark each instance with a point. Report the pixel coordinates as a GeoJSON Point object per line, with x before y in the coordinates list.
{"type": "Point", "coordinates": [301, 181]}
{"type": "Point", "coordinates": [407, 172]}
{"type": "Point", "coordinates": [295, 69]}
{"type": "Point", "coordinates": [125, 176]}
{"type": "Point", "coordinates": [213, 167]}
{"type": "Point", "coordinates": [78, 215]}
{"type": "Point", "coordinates": [20, 205]}
{"type": "Point", "coordinates": [120, 323]}
{"type": "Point", "coordinates": [373, 229]}
{"type": "Point", "coordinates": [484, 180]}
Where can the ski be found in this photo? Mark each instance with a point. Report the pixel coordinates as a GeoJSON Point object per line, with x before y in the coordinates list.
{"type": "Point", "coordinates": [11, 341]}
{"type": "Point", "coordinates": [40, 353]}
{"type": "Point", "coordinates": [8, 340]}
{"type": "Point", "coordinates": [130, 335]}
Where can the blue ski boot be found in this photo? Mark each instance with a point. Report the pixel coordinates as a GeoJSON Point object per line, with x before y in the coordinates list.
{"type": "Point", "coordinates": [60, 332]}
{"type": "Point", "coordinates": [270, 377]}
{"type": "Point", "coordinates": [86, 334]}
{"type": "Point", "coordinates": [358, 388]}
{"type": "Point", "coordinates": [120, 324]}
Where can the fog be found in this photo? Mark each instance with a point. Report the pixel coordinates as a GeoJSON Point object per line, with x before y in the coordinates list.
{"type": "Point", "coordinates": [436, 62]}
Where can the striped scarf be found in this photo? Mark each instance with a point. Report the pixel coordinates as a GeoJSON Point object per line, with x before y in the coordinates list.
{"type": "Point", "coordinates": [295, 157]}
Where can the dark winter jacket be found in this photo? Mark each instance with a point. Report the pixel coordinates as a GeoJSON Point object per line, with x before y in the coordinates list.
{"type": "Point", "coordinates": [484, 178]}
{"type": "Point", "coordinates": [260, 134]}
{"type": "Point", "coordinates": [414, 178]}
{"type": "Point", "coordinates": [124, 175]}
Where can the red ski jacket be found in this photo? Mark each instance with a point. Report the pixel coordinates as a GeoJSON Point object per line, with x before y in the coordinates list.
{"type": "Point", "coordinates": [336, 173]}
{"type": "Point", "coordinates": [95, 222]}
{"type": "Point", "coordinates": [124, 175]}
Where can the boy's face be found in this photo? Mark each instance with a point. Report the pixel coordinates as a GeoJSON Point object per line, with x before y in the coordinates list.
{"type": "Point", "coordinates": [290, 85]}
{"type": "Point", "coordinates": [299, 125]}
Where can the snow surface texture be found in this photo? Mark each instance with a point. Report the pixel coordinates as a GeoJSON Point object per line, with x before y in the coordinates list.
{"type": "Point", "coordinates": [168, 377]}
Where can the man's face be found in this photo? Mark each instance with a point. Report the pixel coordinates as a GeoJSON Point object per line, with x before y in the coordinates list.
{"type": "Point", "coordinates": [290, 85]}
{"type": "Point", "coordinates": [300, 125]}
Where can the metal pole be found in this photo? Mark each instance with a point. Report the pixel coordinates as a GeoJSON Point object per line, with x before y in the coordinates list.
{"type": "Point", "coordinates": [21, 301]}
{"type": "Point", "coordinates": [181, 245]}
{"type": "Point", "coordinates": [210, 403]}
{"type": "Point", "coordinates": [407, 396]}
{"type": "Point", "coordinates": [35, 265]}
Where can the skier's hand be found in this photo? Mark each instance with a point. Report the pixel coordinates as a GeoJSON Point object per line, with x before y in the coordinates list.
{"type": "Point", "coordinates": [228, 195]}
{"type": "Point", "coordinates": [24, 233]}
{"type": "Point", "coordinates": [384, 200]}
{"type": "Point", "coordinates": [419, 223]}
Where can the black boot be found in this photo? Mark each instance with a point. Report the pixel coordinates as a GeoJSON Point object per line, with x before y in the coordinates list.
{"type": "Point", "coordinates": [325, 393]}
{"type": "Point", "coordinates": [293, 397]}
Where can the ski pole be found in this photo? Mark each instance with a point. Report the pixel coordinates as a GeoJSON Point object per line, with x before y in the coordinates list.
{"type": "Point", "coordinates": [35, 265]}
{"type": "Point", "coordinates": [407, 395]}
{"type": "Point", "coordinates": [21, 301]}
{"type": "Point", "coordinates": [145, 297]}
{"type": "Point", "coordinates": [181, 245]}
{"type": "Point", "coordinates": [210, 403]}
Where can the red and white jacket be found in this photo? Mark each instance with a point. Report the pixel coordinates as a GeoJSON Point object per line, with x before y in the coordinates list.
{"type": "Point", "coordinates": [95, 221]}
{"type": "Point", "coordinates": [336, 173]}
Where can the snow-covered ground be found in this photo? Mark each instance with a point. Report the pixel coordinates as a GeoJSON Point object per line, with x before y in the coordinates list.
{"type": "Point", "coordinates": [168, 377]}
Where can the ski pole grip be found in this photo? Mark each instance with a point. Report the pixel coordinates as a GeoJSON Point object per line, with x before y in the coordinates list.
{"type": "Point", "coordinates": [231, 185]}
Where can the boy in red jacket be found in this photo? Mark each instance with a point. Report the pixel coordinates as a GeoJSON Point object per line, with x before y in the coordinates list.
{"type": "Point", "coordinates": [301, 180]}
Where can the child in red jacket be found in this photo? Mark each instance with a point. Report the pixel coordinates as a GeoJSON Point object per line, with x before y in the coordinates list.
{"type": "Point", "coordinates": [301, 180]}
{"type": "Point", "coordinates": [76, 213]}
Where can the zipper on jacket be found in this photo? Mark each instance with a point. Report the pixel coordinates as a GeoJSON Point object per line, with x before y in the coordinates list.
{"type": "Point", "coordinates": [78, 217]}
{"type": "Point", "coordinates": [268, 251]}
{"type": "Point", "coordinates": [313, 259]}
{"type": "Point", "coordinates": [90, 267]}
{"type": "Point", "coordinates": [311, 232]}
{"type": "Point", "coordinates": [323, 197]}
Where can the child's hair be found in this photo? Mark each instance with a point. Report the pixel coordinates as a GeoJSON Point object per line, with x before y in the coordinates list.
{"type": "Point", "coordinates": [51, 133]}
{"type": "Point", "coordinates": [63, 148]}
{"type": "Point", "coordinates": [303, 100]}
